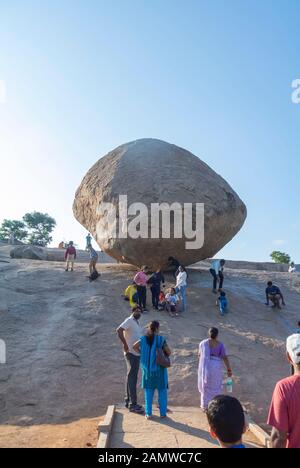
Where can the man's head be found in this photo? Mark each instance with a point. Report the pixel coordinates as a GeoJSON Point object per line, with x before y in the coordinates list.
{"type": "Point", "coordinates": [223, 294]}
{"type": "Point", "coordinates": [213, 333]}
{"type": "Point", "coordinates": [293, 349]}
{"type": "Point", "coordinates": [144, 268]}
{"type": "Point", "coordinates": [226, 420]}
{"type": "Point", "coordinates": [71, 243]}
{"type": "Point", "coordinates": [270, 283]}
{"type": "Point", "coordinates": [222, 262]}
{"type": "Point", "coordinates": [137, 312]}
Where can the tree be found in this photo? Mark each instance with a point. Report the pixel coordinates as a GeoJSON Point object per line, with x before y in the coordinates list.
{"type": "Point", "coordinates": [280, 257]}
{"type": "Point", "coordinates": [41, 225]}
{"type": "Point", "coordinates": [17, 227]}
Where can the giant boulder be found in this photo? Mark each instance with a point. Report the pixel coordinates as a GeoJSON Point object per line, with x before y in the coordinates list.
{"type": "Point", "coordinates": [153, 171]}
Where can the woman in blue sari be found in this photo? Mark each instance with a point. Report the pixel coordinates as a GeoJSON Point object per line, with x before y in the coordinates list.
{"type": "Point", "coordinates": [154, 376]}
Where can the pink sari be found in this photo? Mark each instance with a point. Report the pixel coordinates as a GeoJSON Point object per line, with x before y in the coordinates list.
{"type": "Point", "coordinates": [210, 373]}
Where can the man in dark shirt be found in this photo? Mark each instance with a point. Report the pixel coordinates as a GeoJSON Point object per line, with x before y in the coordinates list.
{"type": "Point", "coordinates": [274, 295]}
{"type": "Point", "coordinates": [155, 281]}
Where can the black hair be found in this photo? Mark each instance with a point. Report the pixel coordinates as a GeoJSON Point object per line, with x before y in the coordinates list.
{"type": "Point", "coordinates": [137, 307]}
{"type": "Point", "coordinates": [170, 258]}
{"type": "Point", "coordinates": [222, 261]}
{"type": "Point", "coordinates": [152, 328]}
{"type": "Point", "coordinates": [223, 293]}
{"type": "Point", "coordinates": [226, 418]}
{"type": "Point", "coordinates": [213, 333]}
{"type": "Point", "coordinates": [270, 283]}
{"type": "Point", "coordinates": [298, 323]}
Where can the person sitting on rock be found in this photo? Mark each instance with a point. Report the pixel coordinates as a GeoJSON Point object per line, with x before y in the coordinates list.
{"type": "Point", "coordinates": [162, 301]}
{"type": "Point", "coordinates": [70, 256]}
{"type": "Point", "coordinates": [222, 303]}
{"type": "Point", "coordinates": [274, 295]}
{"type": "Point", "coordinates": [131, 295]}
{"type": "Point", "coordinates": [171, 302]}
{"type": "Point", "coordinates": [292, 268]}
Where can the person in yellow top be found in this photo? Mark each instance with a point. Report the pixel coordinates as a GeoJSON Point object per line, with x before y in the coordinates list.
{"type": "Point", "coordinates": [130, 294]}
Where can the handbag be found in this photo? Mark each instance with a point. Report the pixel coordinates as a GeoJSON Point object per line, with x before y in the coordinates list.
{"type": "Point", "coordinates": [162, 359]}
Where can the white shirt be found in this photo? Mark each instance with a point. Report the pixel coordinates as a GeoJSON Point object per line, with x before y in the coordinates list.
{"type": "Point", "coordinates": [181, 279]}
{"type": "Point", "coordinates": [216, 265]}
{"type": "Point", "coordinates": [172, 299]}
{"type": "Point", "coordinates": [133, 332]}
{"type": "Point", "coordinates": [292, 269]}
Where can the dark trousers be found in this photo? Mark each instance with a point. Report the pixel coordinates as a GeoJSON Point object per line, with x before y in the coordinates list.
{"type": "Point", "coordinates": [133, 365]}
{"type": "Point", "coordinates": [215, 276]}
{"type": "Point", "coordinates": [142, 295]}
{"type": "Point", "coordinates": [155, 291]}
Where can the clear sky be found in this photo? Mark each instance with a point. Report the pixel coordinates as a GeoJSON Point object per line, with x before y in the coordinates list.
{"type": "Point", "coordinates": [80, 77]}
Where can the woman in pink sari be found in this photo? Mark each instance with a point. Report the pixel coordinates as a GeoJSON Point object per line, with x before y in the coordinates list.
{"type": "Point", "coordinates": [212, 356]}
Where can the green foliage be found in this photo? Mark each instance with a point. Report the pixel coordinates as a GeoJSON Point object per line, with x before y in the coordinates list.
{"type": "Point", "coordinates": [40, 225]}
{"type": "Point", "coordinates": [17, 227]}
{"type": "Point", "coordinates": [280, 257]}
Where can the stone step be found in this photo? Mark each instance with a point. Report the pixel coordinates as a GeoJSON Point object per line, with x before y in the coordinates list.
{"type": "Point", "coordinates": [185, 427]}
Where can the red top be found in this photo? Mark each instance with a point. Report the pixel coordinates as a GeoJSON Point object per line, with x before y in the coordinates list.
{"type": "Point", "coordinates": [285, 409]}
{"type": "Point", "coordinates": [70, 250]}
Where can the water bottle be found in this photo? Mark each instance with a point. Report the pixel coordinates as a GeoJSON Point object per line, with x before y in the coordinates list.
{"type": "Point", "coordinates": [229, 385]}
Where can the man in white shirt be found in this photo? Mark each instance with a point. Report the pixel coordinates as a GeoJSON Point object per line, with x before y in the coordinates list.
{"type": "Point", "coordinates": [181, 283]}
{"type": "Point", "coordinates": [129, 332]}
{"type": "Point", "coordinates": [216, 270]}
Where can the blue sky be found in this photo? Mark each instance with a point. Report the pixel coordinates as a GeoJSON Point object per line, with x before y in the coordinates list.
{"type": "Point", "coordinates": [214, 77]}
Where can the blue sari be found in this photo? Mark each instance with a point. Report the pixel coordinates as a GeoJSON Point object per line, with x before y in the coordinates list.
{"type": "Point", "coordinates": [153, 375]}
